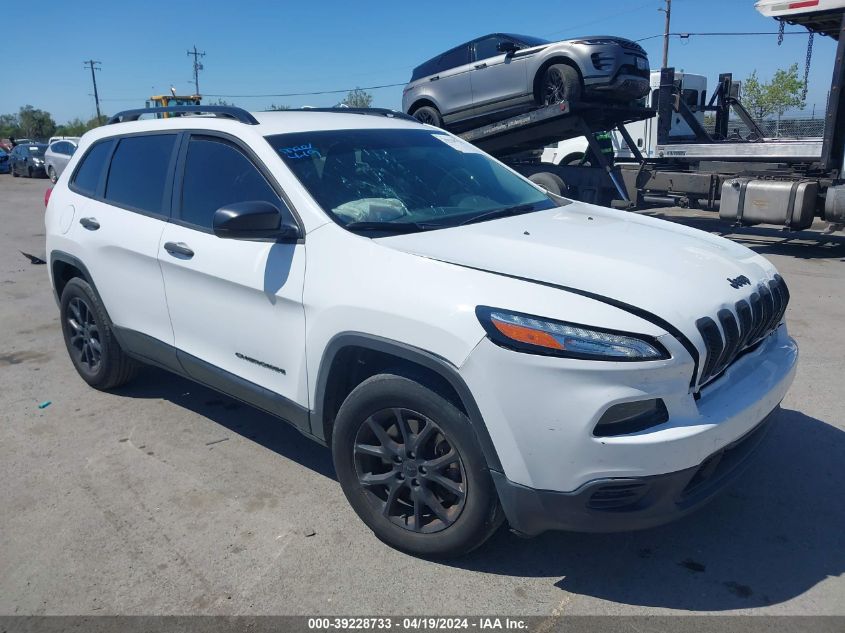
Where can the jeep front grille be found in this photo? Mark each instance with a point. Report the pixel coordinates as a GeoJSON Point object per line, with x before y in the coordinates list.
{"type": "Point", "coordinates": [737, 330]}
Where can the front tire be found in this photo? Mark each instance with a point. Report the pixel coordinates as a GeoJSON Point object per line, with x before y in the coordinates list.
{"type": "Point", "coordinates": [13, 171]}
{"type": "Point", "coordinates": [429, 115]}
{"type": "Point", "coordinates": [51, 174]}
{"type": "Point", "coordinates": [411, 467]}
{"type": "Point", "coordinates": [560, 83]}
{"type": "Point", "coordinates": [89, 338]}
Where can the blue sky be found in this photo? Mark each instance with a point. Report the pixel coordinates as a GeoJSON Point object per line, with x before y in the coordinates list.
{"type": "Point", "coordinates": [285, 47]}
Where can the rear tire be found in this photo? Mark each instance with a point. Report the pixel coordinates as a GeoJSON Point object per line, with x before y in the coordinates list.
{"type": "Point", "coordinates": [410, 465]}
{"type": "Point", "coordinates": [429, 115]}
{"type": "Point", "coordinates": [90, 340]}
{"type": "Point", "coordinates": [560, 83]}
{"type": "Point", "coordinates": [550, 182]}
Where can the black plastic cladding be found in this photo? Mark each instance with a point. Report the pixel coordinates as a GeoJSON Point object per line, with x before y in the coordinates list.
{"type": "Point", "coordinates": [754, 319]}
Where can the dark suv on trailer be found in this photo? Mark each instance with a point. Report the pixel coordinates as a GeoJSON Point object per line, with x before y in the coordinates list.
{"type": "Point", "coordinates": [501, 74]}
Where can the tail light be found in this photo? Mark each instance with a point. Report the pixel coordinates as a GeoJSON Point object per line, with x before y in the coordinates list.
{"type": "Point", "coordinates": [47, 196]}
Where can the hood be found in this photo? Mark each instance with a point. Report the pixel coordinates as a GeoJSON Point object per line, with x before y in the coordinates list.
{"type": "Point", "coordinates": [674, 272]}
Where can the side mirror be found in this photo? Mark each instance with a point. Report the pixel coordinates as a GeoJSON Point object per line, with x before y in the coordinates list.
{"type": "Point", "coordinates": [507, 47]}
{"type": "Point", "coordinates": [254, 220]}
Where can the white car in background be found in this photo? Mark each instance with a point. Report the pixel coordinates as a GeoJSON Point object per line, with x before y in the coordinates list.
{"type": "Point", "coordinates": [472, 348]}
{"type": "Point", "coordinates": [58, 155]}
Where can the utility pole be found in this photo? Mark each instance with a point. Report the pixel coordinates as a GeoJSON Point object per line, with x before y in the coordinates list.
{"type": "Point", "coordinates": [94, 65]}
{"type": "Point", "coordinates": [197, 67]}
{"type": "Point", "coordinates": [668, 12]}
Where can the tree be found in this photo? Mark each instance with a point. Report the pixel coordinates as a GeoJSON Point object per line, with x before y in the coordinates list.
{"type": "Point", "coordinates": [755, 96]}
{"type": "Point", "coordinates": [782, 93]}
{"type": "Point", "coordinates": [74, 127]}
{"type": "Point", "coordinates": [274, 108]}
{"type": "Point", "coordinates": [36, 124]}
{"type": "Point", "coordinates": [358, 99]}
{"type": "Point", "coordinates": [9, 126]}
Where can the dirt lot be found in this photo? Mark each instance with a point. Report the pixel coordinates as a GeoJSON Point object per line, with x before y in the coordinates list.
{"type": "Point", "coordinates": [166, 497]}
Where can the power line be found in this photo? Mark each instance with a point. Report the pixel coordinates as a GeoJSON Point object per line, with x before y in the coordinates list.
{"type": "Point", "coordinates": [93, 65]}
{"type": "Point", "coordinates": [719, 34]}
{"type": "Point", "coordinates": [197, 68]}
{"type": "Point", "coordinates": [307, 94]}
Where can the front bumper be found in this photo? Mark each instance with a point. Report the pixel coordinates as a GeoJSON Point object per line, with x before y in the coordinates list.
{"type": "Point", "coordinates": [623, 86]}
{"type": "Point", "coordinates": [636, 503]}
{"type": "Point", "coordinates": [541, 412]}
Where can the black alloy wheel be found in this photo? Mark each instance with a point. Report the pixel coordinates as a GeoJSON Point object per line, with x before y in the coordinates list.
{"type": "Point", "coordinates": [410, 471]}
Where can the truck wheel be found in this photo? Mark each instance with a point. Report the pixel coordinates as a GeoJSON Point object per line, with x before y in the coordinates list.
{"type": "Point", "coordinates": [410, 466]}
{"type": "Point", "coordinates": [89, 338]}
{"type": "Point", "coordinates": [429, 115]}
{"type": "Point", "coordinates": [550, 182]}
{"type": "Point", "coordinates": [560, 83]}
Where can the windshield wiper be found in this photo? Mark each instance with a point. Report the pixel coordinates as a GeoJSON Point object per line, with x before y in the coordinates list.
{"type": "Point", "coordinates": [388, 227]}
{"type": "Point", "coordinates": [499, 213]}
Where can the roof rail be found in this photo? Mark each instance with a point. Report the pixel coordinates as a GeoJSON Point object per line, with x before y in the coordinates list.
{"type": "Point", "coordinates": [392, 114]}
{"type": "Point", "coordinates": [228, 112]}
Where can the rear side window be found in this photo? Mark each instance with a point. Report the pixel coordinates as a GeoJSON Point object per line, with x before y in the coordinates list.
{"type": "Point", "coordinates": [90, 168]}
{"type": "Point", "coordinates": [454, 58]}
{"type": "Point", "coordinates": [218, 173]}
{"type": "Point", "coordinates": [138, 173]}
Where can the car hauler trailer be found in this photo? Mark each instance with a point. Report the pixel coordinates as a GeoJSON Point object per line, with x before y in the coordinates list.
{"type": "Point", "coordinates": [519, 142]}
{"type": "Point", "coordinates": [750, 179]}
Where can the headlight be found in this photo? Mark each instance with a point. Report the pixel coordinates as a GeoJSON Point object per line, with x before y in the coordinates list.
{"type": "Point", "coordinates": [536, 335]}
{"type": "Point", "coordinates": [37, 161]}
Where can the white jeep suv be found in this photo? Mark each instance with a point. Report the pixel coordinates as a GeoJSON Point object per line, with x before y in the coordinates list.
{"type": "Point", "coordinates": [472, 348]}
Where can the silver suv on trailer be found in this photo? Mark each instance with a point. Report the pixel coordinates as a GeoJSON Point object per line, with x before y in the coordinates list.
{"type": "Point", "coordinates": [499, 75]}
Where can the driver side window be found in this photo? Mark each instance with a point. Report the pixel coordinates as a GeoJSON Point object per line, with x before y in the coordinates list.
{"type": "Point", "coordinates": [218, 173]}
{"type": "Point", "coordinates": [486, 48]}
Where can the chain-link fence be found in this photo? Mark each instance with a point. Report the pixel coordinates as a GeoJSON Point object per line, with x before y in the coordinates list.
{"type": "Point", "coordinates": [793, 127]}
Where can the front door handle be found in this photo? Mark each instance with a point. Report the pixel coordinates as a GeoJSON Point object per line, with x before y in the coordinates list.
{"type": "Point", "coordinates": [90, 223]}
{"type": "Point", "coordinates": [179, 248]}
{"type": "Point", "coordinates": [481, 65]}
{"type": "Point", "coordinates": [435, 78]}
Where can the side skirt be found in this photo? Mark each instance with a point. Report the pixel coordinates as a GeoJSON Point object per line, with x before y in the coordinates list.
{"type": "Point", "coordinates": [154, 352]}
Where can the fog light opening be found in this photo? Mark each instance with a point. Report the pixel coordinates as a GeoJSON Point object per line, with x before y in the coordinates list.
{"type": "Point", "coordinates": [631, 417]}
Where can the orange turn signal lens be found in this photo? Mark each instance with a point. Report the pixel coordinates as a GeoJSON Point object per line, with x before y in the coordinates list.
{"type": "Point", "coordinates": [527, 335]}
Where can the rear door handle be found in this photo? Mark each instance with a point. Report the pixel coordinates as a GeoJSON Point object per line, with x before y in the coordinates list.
{"type": "Point", "coordinates": [179, 248]}
{"type": "Point", "coordinates": [481, 65]}
{"type": "Point", "coordinates": [90, 223]}
{"type": "Point", "coordinates": [435, 78]}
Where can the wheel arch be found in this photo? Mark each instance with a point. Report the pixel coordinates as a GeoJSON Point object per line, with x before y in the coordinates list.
{"type": "Point", "coordinates": [423, 101]}
{"type": "Point", "coordinates": [352, 357]}
{"type": "Point", "coordinates": [555, 59]}
{"type": "Point", "coordinates": [63, 268]}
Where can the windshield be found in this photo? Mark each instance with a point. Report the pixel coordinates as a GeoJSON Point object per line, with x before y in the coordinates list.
{"type": "Point", "coordinates": [36, 150]}
{"type": "Point", "coordinates": [403, 180]}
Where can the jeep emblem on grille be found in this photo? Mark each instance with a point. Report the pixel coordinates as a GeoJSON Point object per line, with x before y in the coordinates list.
{"type": "Point", "coordinates": [739, 282]}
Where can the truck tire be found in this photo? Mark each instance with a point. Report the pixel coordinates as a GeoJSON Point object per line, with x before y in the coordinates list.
{"type": "Point", "coordinates": [411, 467]}
{"type": "Point", "coordinates": [550, 182]}
{"type": "Point", "coordinates": [560, 83]}
{"type": "Point", "coordinates": [429, 115]}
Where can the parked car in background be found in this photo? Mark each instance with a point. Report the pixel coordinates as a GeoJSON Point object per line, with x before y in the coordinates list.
{"type": "Point", "coordinates": [27, 159]}
{"type": "Point", "coordinates": [4, 162]}
{"type": "Point", "coordinates": [57, 156]}
{"type": "Point", "coordinates": [53, 139]}
{"type": "Point", "coordinates": [501, 74]}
